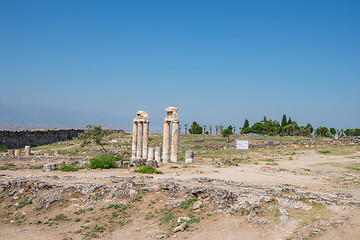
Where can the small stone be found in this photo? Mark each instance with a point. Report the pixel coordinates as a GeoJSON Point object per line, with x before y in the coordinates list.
{"type": "Point", "coordinates": [180, 228]}
{"type": "Point", "coordinates": [197, 205]}
{"type": "Point", "coordinates": [133, 193]}
{"type": "Point", "coordinates": [138, 229]}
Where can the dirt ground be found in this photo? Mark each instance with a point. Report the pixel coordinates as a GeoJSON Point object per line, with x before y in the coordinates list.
{"type": "Point", "coordinates": [306, 170]}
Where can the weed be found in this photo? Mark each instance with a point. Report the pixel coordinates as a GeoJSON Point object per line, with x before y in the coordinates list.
{"type": "Point", "coordinates": [148, 169]}
{"type": "Point", "coordinates": [105, 161]}
{"type": "Point", "coordinates": [3, 148]}
{"type": "Point", "coordinates": [67, 168]}
{"type": "Point", "coordinates": [188, 202]}
{"type": "Point", "coordinates": [324, 152]}
{"type": "Point", "coordinates": [62, 217]}
{"type": "Point", "coordinates": [24, 202]}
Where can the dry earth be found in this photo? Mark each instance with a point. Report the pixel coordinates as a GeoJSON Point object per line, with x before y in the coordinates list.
{"type": "Point", "coordinates": [307, 196]}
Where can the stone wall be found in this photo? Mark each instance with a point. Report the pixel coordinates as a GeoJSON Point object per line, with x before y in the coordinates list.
{"type": "Point", "coordinates": [20, 139]}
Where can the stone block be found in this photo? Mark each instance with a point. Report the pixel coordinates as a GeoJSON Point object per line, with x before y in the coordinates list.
{"type": "Point", "coordinates": [50, 166]}
{"type": "Point", "coordinates": [10, 152]}
{"type": "Point", "coordinates": [17, 152]}
{"type": "Point", "coordinates": [27, 151]}
{"type": "Point", "coordinates": [189, 156]}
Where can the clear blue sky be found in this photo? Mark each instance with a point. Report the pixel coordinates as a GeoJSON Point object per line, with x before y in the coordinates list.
{"type": "Point", "coordinates": [217, 61]}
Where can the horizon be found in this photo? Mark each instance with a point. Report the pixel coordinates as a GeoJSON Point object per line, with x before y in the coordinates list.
{"type": "Point", "coordinates": [66, 64]}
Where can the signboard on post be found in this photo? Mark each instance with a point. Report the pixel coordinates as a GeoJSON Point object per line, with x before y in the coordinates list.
{"type": "Point", "coordinates": [242, 144]}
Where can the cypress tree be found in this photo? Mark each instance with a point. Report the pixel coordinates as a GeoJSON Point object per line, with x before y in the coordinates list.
{"type": "Point", "coordinates": [284, 121]}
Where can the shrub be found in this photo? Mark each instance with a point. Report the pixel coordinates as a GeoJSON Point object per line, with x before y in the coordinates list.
{"type": "Point", "coordinates": [148, 169]}
{"type": "Point", "coordinates": [105, 161]}
{"type": "Point", "coordinates": [3, 148]}
{"type": "Point", "coordinates": [67, 168]}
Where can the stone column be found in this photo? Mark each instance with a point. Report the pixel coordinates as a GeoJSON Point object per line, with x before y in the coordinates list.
{"type": "Point", "coordinates": [166, 142]}
{"type": "Point", "coordinates": [189, 156]}
{"type": "Point", "coordinates": [27, 151]}
{"type": "Point", "coordinates": [175, 141]}
{"type": "Point", "coordinates": [139, 141]}
{"type": "Point", "coordinates": [145, 141]}
{"type": "Point", "coordinates": [134, 141]}
{"type": "Point", "coordinates": [158, 154]}
{"type": "Point", "coordinates": [17, 152]}
{"type": "Point", "coordinates": [151, 154]}
{"type": "Point", "coordinates": [10, 152]}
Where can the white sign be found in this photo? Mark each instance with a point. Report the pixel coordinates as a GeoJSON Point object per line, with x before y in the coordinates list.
{"type": "Point", "coordinates": [242, 144]}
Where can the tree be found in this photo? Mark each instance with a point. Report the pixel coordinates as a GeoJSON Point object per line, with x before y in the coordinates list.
{"type": "Point", "coordinates": [349, 132]}
{"type": "Point", "coordinates": [289, 122]}
{"type": "Point", "coordinates": [195, 128]}
{"type": "Point", "coordinates": [185, 128]}
{"type": "Point", "coordinates": [94, 134]}
{"type": "Point", "coordinates": [322, 132]}
{"type": "Point", "coordinates": [333, 131]}
{"type": "Point", "coordinates": [246, 124]}
{"type": "Point", "coordinates": [309, 128]}
{"type": "Point", "coordinates": [357, 132]}
{"type": "Point", "coordinates": [226, 134]}
{"type": "Point", "coordinates": [284, 121]}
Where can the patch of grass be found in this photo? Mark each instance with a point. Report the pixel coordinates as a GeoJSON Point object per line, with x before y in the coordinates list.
{"type": "Point", "coordinates": [24, 202]}
{"type": "Point", "coordinates": [62, 217]}
{"type": "Point", "coordinates": [36, 167]}
{"type": "Point", "coordinates": [3, 148]}
{"type": "Point", "coordinates": [8, 166]}
{"type": "Point", "coordinates": [67, 168]}
{"type": "Point", "coordinates": [354, 166]}
{"type": "Point", "coordinates": [148, 169]}
{"type": "Point", "coordinates": [167, 217]}
{"type": "Point", "coordinates": [105, 161]}
{"type": "Point", "coordinates": [324, 152]}
{"type": "Point", "coordinates": [188, 202]}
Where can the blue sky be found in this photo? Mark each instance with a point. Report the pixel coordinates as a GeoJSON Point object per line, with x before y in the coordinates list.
{"type": "Point", "coordinates": [69, 63]}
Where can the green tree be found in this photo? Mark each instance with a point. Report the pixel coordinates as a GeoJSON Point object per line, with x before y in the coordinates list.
{"type": "Point", "coordinates": [246, 124]}
{"type": "Point", "coordinates": [357, 132]}
{"type": "Point", "coordinates": [195, 128]}
{"type": "Point", "coordinates": [309, 128]}
{"type": "Point", "coordinates": [226, 133]}
{"type": "Point", "coordinates": [333, 131]}
{"type": "Point", "coordinates": [349, 132]}
{"type": "Point", "coordinates": [257, 128]}
{"type": "Point", "coordinates": [289, 122]}
{"type": "Point", "coordinates": [284, 121]}
{"type": "Point", "coordinates": [322, 132]}
{"type": "Point", "coordinates": [94, 134]}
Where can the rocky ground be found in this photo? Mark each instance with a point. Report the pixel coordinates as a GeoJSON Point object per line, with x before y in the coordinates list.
{"type": "Point", "coordinates": [306, 194]}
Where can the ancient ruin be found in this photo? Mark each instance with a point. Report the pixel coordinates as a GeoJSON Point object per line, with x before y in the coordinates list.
{"type": "Point", "coordinates": [140, 141]}
{"type": "Point", "coordinates": [171, 117]}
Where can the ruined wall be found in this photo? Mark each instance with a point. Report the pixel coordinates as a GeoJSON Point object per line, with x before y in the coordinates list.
{"type": "Point", "coordinates": [20, 139]}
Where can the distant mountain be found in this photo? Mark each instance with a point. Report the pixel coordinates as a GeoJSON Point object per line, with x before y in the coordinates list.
{"type": "Point", "coordinates": [18, 117]}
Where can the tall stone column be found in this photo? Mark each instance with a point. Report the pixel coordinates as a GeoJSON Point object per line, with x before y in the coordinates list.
{"type": "Point", "coordinates": [158, 154]}
{"type": "Point", "coordinates": [166, 141]}
{"type": "Point", "coordinates": [139, 141]}
{"type": "Point", "coordinates": [134, 141]}
{"type": "Point", "coordinates": [175, 141]}
{"type": "Point", "coordinates": [145, 140]}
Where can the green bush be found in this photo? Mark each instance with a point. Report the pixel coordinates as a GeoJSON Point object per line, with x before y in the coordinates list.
{"type": "Point", "coordinates": [3, 148]}
{"type": "Point", "coordinates": [67, 168]}
{"type": "Point", "coordinates": [105, 161]}
{"type": "Point", "coordinates": [148, 169]}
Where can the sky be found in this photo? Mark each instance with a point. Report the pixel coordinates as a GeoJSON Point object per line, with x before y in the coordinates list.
{"type": "Point", "coordinates": [66, 63]}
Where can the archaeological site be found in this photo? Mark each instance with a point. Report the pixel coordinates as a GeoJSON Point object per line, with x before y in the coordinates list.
{"type": "Point", "coordinates": [146, 185]}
